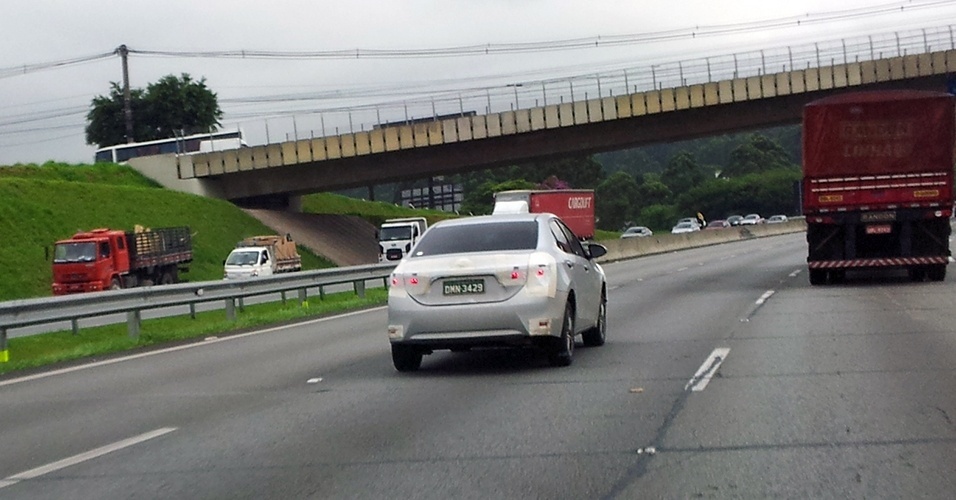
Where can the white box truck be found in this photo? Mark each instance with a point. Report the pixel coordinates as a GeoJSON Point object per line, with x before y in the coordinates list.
{"type": "Point", "coordinates": [396, 237]}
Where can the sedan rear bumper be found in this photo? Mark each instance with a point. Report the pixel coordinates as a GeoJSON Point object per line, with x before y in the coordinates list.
{"type": "Point", "coordinates": [511, 322]}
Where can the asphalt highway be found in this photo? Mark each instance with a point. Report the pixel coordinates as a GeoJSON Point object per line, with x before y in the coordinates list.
{"type": "Point", "coordinates": [725, 375]}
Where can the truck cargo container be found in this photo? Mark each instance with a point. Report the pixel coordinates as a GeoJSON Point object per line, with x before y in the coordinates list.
{"type": "Point", "coordinates": [104, 259]}
{"type": "Point", "coordinates": [878, 183]}
{"type": "Point", "coordinates": [574, 206]}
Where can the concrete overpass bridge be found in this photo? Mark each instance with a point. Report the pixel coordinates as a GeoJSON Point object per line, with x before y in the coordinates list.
{"type": "Point", "coordinates": [749, 98]}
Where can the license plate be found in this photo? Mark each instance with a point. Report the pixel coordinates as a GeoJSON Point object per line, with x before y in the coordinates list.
{"type": "Point", "coordinates": [463, 287]}
{"type": "Point", "coordinates": [879, 229]}
{"type": "Point", "coordinates": [878, 216]}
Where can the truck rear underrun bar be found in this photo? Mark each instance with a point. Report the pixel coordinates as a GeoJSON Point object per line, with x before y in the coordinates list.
{"type": "Point", "coordinates": [883, 262]}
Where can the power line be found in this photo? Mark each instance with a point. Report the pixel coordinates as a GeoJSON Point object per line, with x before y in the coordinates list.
{"type": "Point", "coordinates": [560, 45]}
{"type": "Point", "coordinates": [33, 68]}
{"type": "Point", "coordinates": [508, 48]}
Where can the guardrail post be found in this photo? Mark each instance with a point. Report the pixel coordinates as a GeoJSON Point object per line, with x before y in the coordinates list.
{"type": "Point", "coordinates": [133, 321]}
{"type": "Point", "coordinates": [242, 304]}
{"type": "Point", "coordinates": [303, 296]}
{"type": "Point", "coordinates": [231, 309]}
{"type": "Point", "coordinates": [359, 287]}
{"type": "Point", "coordinates": [192, 310]}
{"type": "Point", "coordinates": [283, 297]}
{"type": "Point", "coordinates": [74, 324]}
{"type": "Point", "coordinates": [4, 353]}
{"type": "Point", "coordinates": [321, 292]}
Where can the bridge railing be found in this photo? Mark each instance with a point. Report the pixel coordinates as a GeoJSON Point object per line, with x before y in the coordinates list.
{"type": "Point", "coordinates": [352, 116]}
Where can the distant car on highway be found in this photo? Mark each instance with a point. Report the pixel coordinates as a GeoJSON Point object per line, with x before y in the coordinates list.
{"type": "Point", "coordinates": [734, 220]}
{"type": "Point", "coordinates": [717, 224]}
{"type": "Point", "coordinates": [636, 232]}
{"type": "Point", "coordinates": [685, 227]}
{"type": "Point", "coordinates": [777, 219]}
{"type": "Point", "coordinates": [751, 220]}
{"type": "Point", "coordinates": [692, 220]}
{"type": "Point", "coordinates": [497, 281]}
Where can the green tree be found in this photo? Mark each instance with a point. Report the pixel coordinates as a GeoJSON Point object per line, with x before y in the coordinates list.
{"type": "Point", "coordinates": [106, 124]}
{"type": "Point", "coordinates": [683, 172]}
{"type": "Point", "coordinates": [758, 154]}
{"type": "Point", "coordinates": [579, 172]}
{"type": "Point", "coordinates": [659, 217]}
{"type": "Point", "coordinates": [653, 192]}
{"type": "Point", "coordinates": [614, 201]}
{"type": "Point", "coordinates": [166, 108]}
{"type": "Point", "coordinates": [765, 193]}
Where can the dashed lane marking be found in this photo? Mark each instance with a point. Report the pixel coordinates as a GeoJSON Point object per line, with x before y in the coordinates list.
{"type": "Point", "coordinates": [83, 457]}
{"type": "Point", "coordinates": [763, 298]}
{"type": "Point", "coordinates": [707, 370]}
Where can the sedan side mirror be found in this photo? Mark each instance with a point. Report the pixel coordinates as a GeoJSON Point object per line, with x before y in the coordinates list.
{"type": "Point", "coordinates": [596, 250]}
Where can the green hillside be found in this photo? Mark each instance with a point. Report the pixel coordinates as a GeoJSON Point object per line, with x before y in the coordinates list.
{"type": "Point", "coordinates": [42, 204]}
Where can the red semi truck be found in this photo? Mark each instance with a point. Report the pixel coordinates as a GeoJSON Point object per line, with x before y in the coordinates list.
{"type": "Point", "coordinates": [878, 182]}
{"type": "Point", "coordinates": [104, 259]}
{"type": "Point", "coordinates": [574, 206]}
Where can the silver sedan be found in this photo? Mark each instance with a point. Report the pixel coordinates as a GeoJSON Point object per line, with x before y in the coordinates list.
{"type": "Point", "coordinates": [497, 281]}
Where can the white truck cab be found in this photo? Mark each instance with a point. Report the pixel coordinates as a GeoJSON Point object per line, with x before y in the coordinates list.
{"type": "Point", "coordinates": [248, 262]}
{"type": "Point", "coordinates": [396, 237]}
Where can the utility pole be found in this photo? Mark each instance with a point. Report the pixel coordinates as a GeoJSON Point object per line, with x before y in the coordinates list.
{"type": "Point", "coordinates": [127, 108]}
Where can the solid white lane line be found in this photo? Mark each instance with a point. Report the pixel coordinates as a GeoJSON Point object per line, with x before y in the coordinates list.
{"type": "Point", "coordinates": [82, 457]}
{"type": "Point", "coordinates": [707, 370]}
{"type": "Point", "coordinates": [763, 298]}
{"type": "Point", "coordinates": [206, 342]}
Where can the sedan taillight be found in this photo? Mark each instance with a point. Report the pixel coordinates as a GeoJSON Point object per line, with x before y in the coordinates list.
{"type": "Point", "coordinates": [411, 284]}
{"type": "Point", "coordinates": [542, 277]}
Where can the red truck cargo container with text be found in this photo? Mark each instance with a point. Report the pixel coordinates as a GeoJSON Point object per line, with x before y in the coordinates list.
{"type": "Point", "coordinates": [878, 182]}
{"type": "Point", "coordinates": [574, 206]}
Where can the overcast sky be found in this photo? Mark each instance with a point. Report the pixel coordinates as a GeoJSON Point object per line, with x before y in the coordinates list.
{"type": "Point", "coordinates": [43, 110]}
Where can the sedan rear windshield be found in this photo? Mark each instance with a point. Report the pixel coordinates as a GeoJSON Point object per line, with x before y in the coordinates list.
{"type": "Point", "coordinates": [494, 237]}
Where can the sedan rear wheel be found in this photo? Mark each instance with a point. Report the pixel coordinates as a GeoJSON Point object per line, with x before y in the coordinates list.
{"type": "Point", "coordinates": [561, 352]}
{"type": "Point", "coordinates": [406, 359]}
{"type": "Point", "coordinates": [597, 335]}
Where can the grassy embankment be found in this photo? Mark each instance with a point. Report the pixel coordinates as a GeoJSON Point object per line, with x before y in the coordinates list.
{"type": "Point", "coordinates": [42, 204]}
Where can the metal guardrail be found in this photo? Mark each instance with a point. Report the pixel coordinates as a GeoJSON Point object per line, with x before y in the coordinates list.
{"type": "Point", "coordinates": [30, 312]}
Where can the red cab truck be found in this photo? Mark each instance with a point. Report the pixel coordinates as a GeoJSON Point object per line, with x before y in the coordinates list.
{"type": "Point", "coordinates": [878, 182]}
{"type": "Point", "coordinates": [574, 206]}
{"type": "Point", "coordinates": [104, 259]}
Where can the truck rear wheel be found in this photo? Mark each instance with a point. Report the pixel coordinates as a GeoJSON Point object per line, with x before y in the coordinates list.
{"type": "Point", "coordinates": [818, 277]}
{"type": "Point", "coordinates": [916, 273]}
{"type": "Point", "coordinates": [937, 272]}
